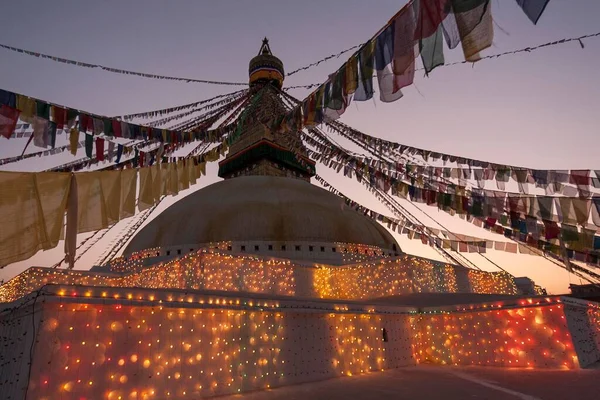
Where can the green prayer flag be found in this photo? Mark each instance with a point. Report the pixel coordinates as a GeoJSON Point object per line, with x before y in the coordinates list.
{"type": "Point", "coordinates": [461, 6]}
{"type": "Point", "coordinates": [336, 97]}
{"type": "Point", "coordinates": [432, 50]}
{"type": "Point", "coordinates": [89, 145]}
{"type": "Point", "coordinates": [477, 206]}
{"type": "Point", "coordinates": [42, 109]}
{"type": "Point", "coordinates": [108, 128]}
{"type": "Point", "coordinates": [569, 233]}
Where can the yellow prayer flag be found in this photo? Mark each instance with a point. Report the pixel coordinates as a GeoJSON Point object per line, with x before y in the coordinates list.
{"type": "Point", "coordinates": [33, 207]}
{"type": "Point", "coordinates": [157, 182]}
{"type": "Point", "coordinates": [27, 107]}
{"type": "Point", "coordinates": [182, 175]}
{"type": "Point", "coordinates": [74, 141]}
{"type": "Point", "coordinates": [146, 197]}
{"type": "Point", "coordinates": [173, 188]}
{"type": "Point", "coordinates": [191, 172]}
{"type": "Point", "coordinates": [128, 192]}
{"type": "Point", "coordinates": [476, 31]}
{"type": "Point", "coordinates": [351, 75]}
{"type": "Point", "coordinates": [99, 199]}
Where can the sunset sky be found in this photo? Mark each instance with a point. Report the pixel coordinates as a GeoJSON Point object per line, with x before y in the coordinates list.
{"type": "Point", "coordinates": [537, 110]}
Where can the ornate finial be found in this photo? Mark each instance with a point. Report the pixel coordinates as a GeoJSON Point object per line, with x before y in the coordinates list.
{"type": "Point", "coordinates": [265, 48]}
{"type": "Point", "coordinates": [265, 67]}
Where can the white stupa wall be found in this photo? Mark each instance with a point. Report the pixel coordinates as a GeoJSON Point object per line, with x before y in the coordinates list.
{"type": "Point", "coordinates": [19, 327]}
{"type": "Point", "coordinates": [583, 320]}
{"type": "Point", "coordinates": [95, 350]}
{"type": "Point", "coordinates": [140, 343]}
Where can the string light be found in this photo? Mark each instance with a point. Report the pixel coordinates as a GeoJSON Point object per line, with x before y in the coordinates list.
{"type": "Point", "coordinates": [535, 337]}
{"type": "Point", "coordinates": [214, 269]}
{"type": "Point", "coordinates": [221, 344]}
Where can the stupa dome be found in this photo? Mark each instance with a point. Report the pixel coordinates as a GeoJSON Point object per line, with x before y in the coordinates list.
{"type": "Point", "coordinates": [265, 209]}
{"type": "Point", "coordinates": [265, 67]}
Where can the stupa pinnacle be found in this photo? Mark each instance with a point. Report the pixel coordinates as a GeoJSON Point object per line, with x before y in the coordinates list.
{"type": "Point", "coordinates": [260, 150]}
{"type": "Point", "coordinates": [265, 67]}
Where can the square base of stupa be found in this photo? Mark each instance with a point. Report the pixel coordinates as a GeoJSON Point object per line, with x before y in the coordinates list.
{"type": "Point", "coordinates": [87, 342]}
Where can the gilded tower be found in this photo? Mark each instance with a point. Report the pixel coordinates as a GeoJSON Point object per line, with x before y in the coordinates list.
{"type": "Point", "coordinates": [261, 150]}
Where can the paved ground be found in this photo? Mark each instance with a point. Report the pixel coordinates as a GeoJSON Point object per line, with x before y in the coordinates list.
{"type": "Point", "coordinates": [448, 383]}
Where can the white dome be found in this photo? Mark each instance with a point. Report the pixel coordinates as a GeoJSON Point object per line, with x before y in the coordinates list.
{"type": "Point", "coordinates": [261, 208]}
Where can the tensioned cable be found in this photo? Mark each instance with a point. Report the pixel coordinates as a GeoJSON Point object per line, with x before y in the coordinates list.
{"type": "Point", "coordinates": [491, 56]}
{"type": "Point", "coordinates": [153, 113]}
{"type": "Point", "coordinates": [119, 71]}
{"type": "Point", "coordinates": [322, 60]}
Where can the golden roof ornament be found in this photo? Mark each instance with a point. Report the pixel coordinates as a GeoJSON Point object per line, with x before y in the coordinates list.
{"type": "Point", "coordinates": [265, 67]}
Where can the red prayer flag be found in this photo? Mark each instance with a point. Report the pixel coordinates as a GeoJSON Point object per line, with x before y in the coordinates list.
{"type": "Point", "coordinates": [552, 230]}
{"type": "Point", "coordinates": [100, 149]}
{"type": "Point", "coordinates": [59, 115]}
{"type": "Point", "coordinates": [581, 178]}
{"type": "Point", "coordinates": [8, 120]}
{"type": "Point", "coordinates": [116, 125]}
{"type": "Point", "coordinates": [85, 123]}
{"type": "Point", "coordinates": [465, 204]}
{"type": "Point", "coordinates": [490, 222]}
{"type": "Point", "coordinates": [404, 43]}
{"type": "Point", "coordinates": [141, 158]}
{"type": "Point", "coordinates": [431, 15]}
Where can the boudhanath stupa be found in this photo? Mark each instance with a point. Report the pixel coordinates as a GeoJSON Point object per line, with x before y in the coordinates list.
{"type": "Point", "coordinates": [263, 280]}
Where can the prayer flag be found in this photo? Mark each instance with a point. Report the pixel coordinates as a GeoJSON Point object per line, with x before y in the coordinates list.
{"type": "Point", "coordinates": [59, 116]}
{"type": "Point", "coordinates": [89, 145]}
{"type": "Point", "coordinates": [533, 8]}
{"type": "Point", "coordinates": [351, 75]}
{"type": "Point", "coordinates": [128, 191]}
{"type": "Point", "coordinates": [366, 58]}
{"type": "Point", "coordinates": [8, 120]}
{"type": "Point", "coordinates": [8, 98]}
{"type": "Point", "coordinates": [42, 109]}
{"type": "Point", "coordinates": [71, 229]}
{"type": "Point", "coordinates": [125, 131]}
{"type": "Point", "coordinates": [474, 22]}
{"type": "Point", "coordinates": [108, 127]}
{"type": "Point", "coordinates": [27, 107]}
{"type": "Point", "coordinates": [552, 230]}
{"type": "Point", "coordinates": [100, 149]}
{"type": "Point", "coordinates": [432, 51]}
{"type": "Point", "coordinates": [85, 123]}
{"type": "Point", "coordinates": [98, 125]}
{"type": "Point", "coordinates": [40, 132]}
{"type": "Point", "coordinates": [116, 127]}
{"type": "Point", "coordinates": [569, 233]}
{"type": "Point", "coordinates": [52, 133]}
{"type": "Point", "coordinates": [33, 207]}
{"type": "Point", "coordinates": [146, 197]}
{"type": "Point", "coordinates": [73, 141]}
{"type": "Point", "coordinates": [581, 178]}
{"type": "Point", "coordinates": [71, 117]}
{"type": "Point", "coordinates": [119, 153]}
{"type": "Point", "coordinates": [384, 57]}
